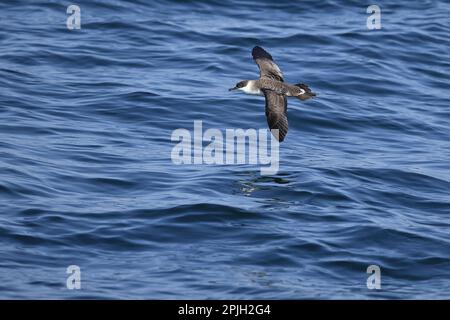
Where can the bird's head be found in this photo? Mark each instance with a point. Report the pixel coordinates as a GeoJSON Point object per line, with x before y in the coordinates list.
{"type": "Point", "coordinates": [240, 85]}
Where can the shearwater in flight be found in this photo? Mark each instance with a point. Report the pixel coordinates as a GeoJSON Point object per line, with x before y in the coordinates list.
{"type": "Point", "coordinates": [271, 84]}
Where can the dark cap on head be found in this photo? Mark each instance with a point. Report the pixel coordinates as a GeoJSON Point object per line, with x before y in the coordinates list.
{"type": "Point", "coordinates": [240, 84]}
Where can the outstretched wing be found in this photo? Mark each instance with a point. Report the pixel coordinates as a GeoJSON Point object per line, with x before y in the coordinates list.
{"type": "Point", "coordinates": [276, 113]}
{"type": "Point", "coordinates": [267, 67]}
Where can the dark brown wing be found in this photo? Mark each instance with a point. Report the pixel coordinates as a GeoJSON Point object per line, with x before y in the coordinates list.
{"type": "Point", "coordinates": [267, 67]}
{"type": "Point", "coordinates": [276, 113]}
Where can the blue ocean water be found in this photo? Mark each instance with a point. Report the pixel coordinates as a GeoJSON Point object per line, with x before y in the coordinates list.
{"type": "Point", "coordinates": [86, 177]}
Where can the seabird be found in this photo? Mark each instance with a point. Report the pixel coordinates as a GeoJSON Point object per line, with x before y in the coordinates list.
{"type": "Point", "coordinates": [271, 84]}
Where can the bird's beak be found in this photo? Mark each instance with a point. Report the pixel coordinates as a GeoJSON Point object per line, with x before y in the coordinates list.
{"type": "Point", "coordinates": [231, 89]}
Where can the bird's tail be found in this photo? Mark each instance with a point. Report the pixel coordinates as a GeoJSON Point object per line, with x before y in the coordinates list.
{"type": "Point", "coordinates": [307, 94]}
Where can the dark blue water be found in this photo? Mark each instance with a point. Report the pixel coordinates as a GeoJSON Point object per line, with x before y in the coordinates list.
{"type": "Point", "coordinates": [86, 176]}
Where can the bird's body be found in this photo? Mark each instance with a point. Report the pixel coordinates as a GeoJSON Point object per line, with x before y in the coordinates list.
{"type": "Point", "coordinates": [257, 87]}
{"type": "Point", "coordinates": [271, 84]}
